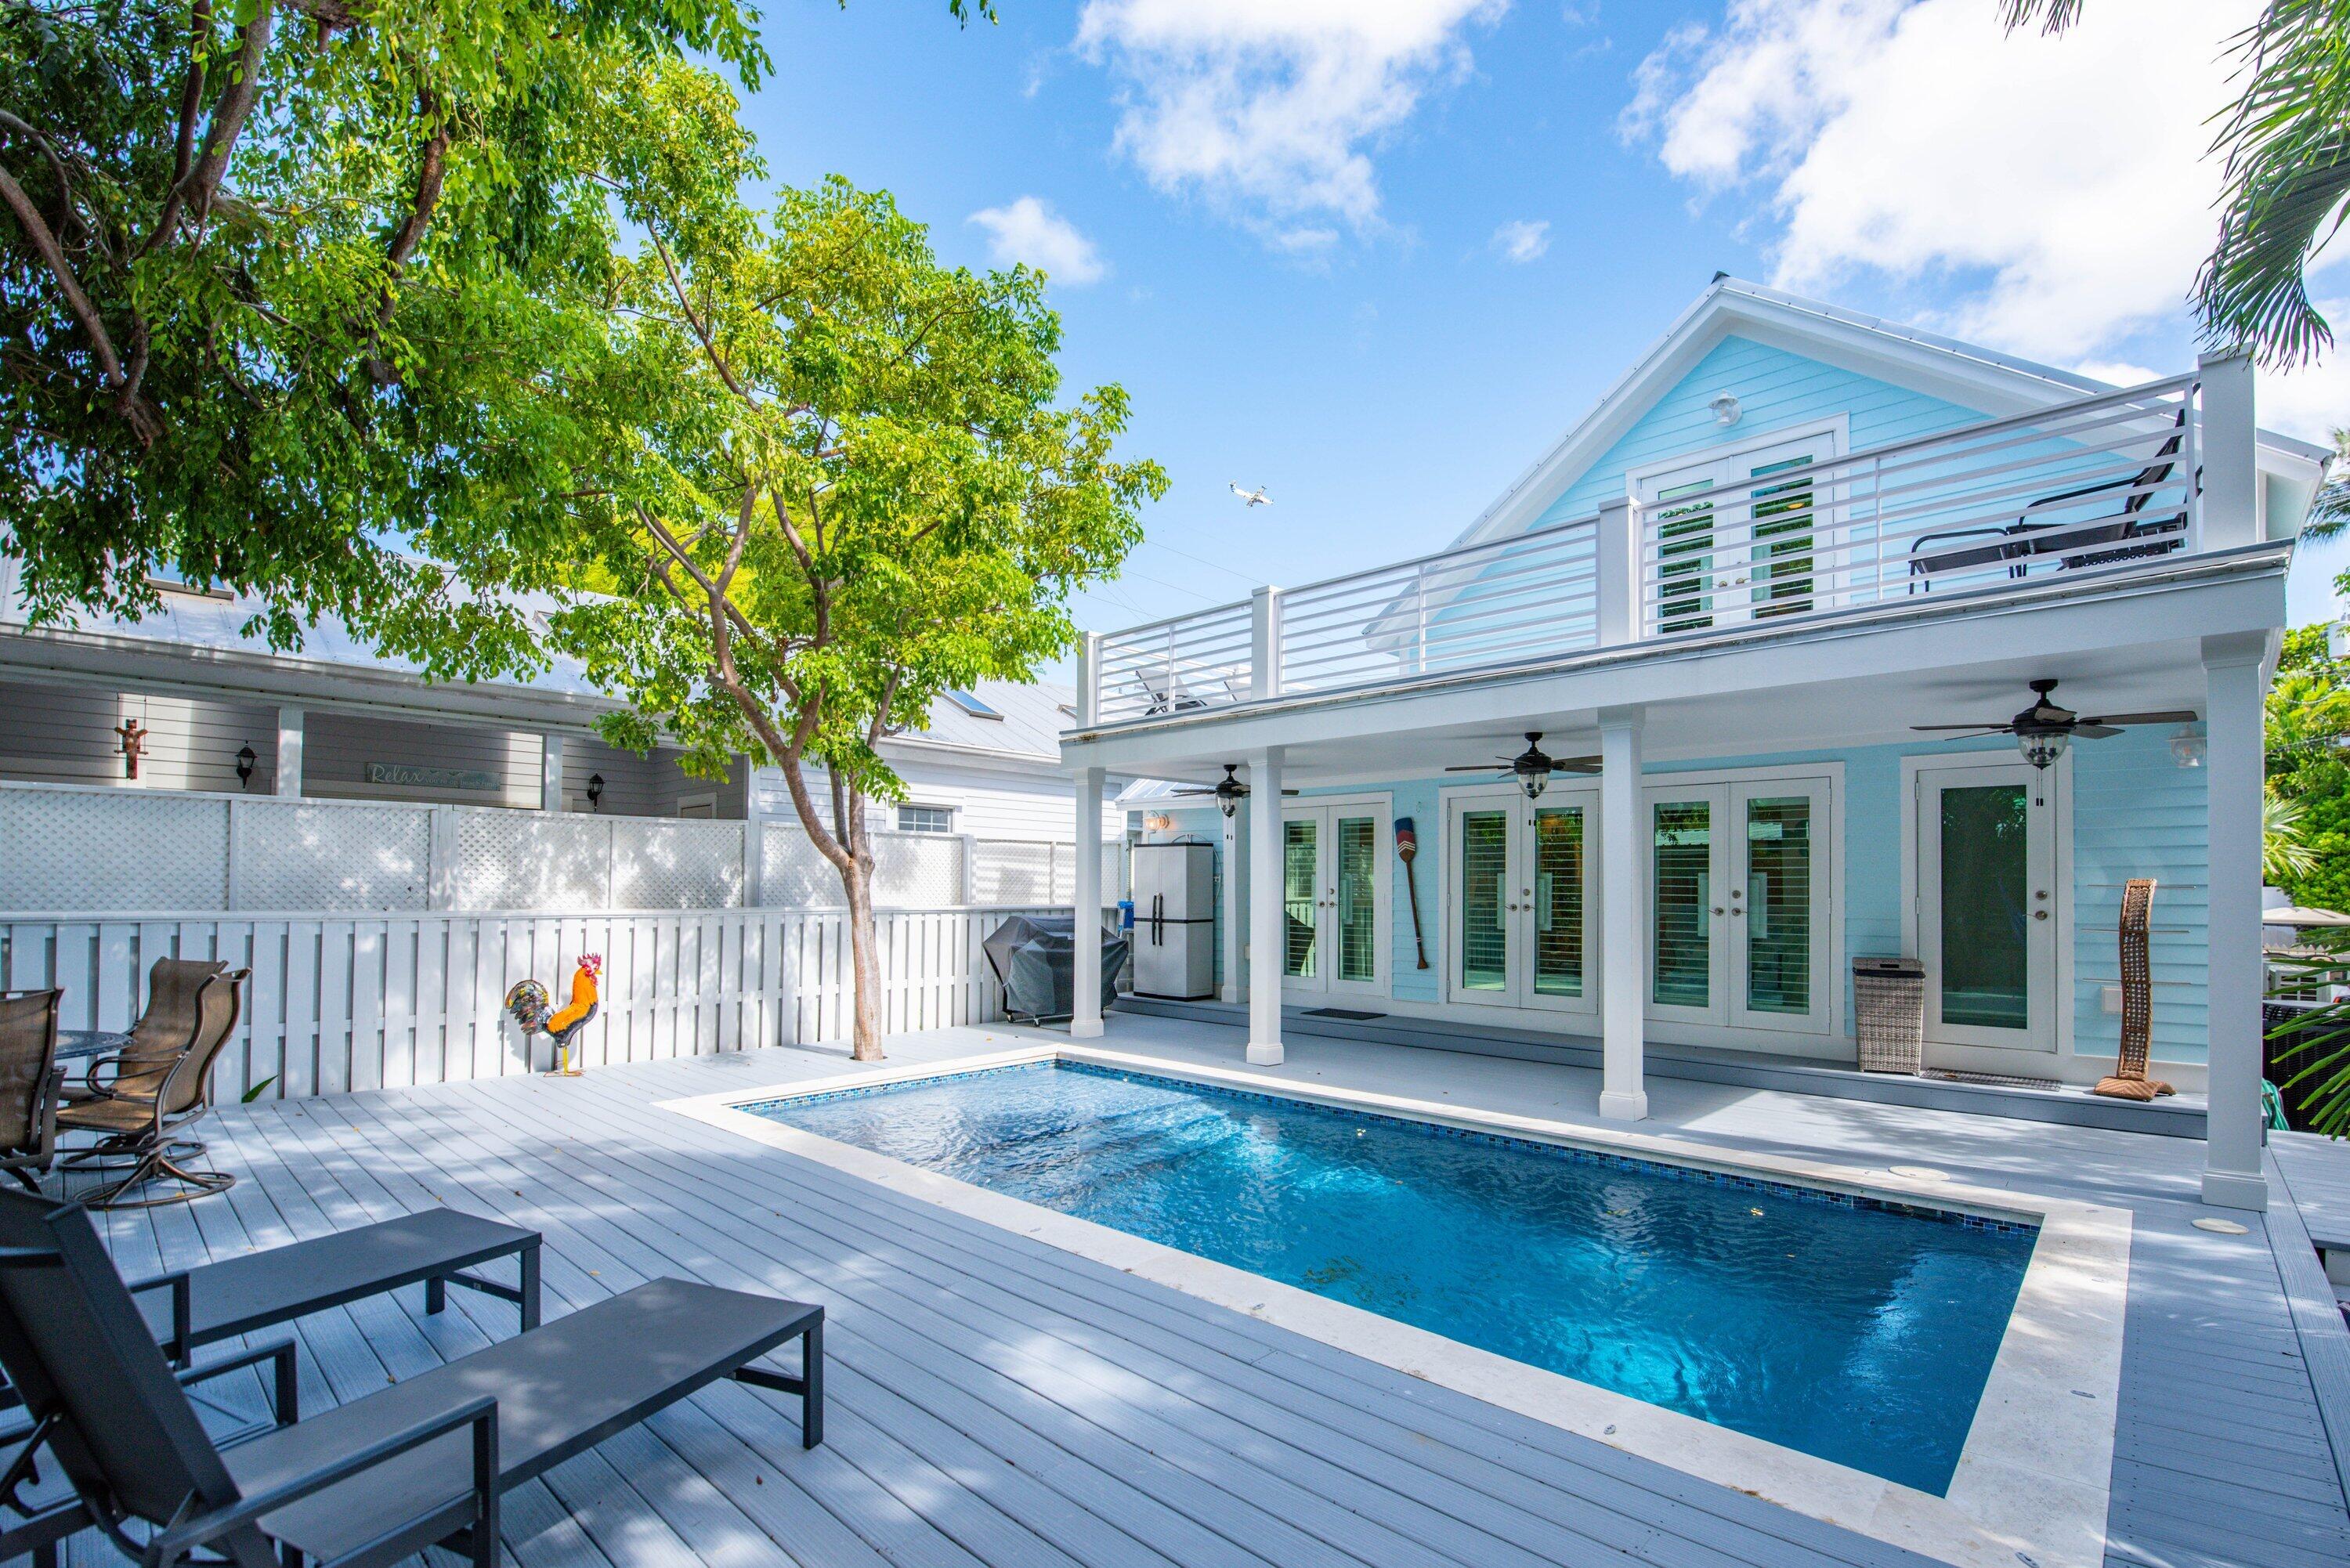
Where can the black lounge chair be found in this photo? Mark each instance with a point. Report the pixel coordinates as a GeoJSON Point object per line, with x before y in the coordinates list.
{"type": "Point", "coordinates": [31, 1083]}
{"type": "Point", "coordinates": [365, 1484]}
{"type": "Point", "coordinates": [2134, 533]}
{"type": "Point", "coordinates": [192, 1308]}
{"type": "Point", "coordinates": [141, 1116]}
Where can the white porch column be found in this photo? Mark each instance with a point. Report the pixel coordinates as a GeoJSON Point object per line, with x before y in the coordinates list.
{"type": "Point", "coordinates": [2231, 505]}
{"type": "Point", "coordinates": [288, 769]}
{"type": "Point", "coordinates": [1265, 907]}
{"type": "Point", "coordinates": [1085, 1017]}
{"type": "Point", "coordinates": [1617, 567]}
{"type": "Point", "coordinates": [1624, 952]}
{"type": "Point", "coordinates": [2233, 678]}
{"type": "Point", "coordinates": [1231, 909]}
{"type": "Point", "coordinates": [550, 773]}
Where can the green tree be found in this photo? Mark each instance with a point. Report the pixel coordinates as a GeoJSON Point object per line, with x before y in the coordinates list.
{"type": "Point", "coordinates": [297, 295]}
{"type": "Point", "coordinates": [853, 488]}
{"type": "Point", "coordinates": [2285, 143]}
{"type": "Point", "coordinates": [2308, 722]}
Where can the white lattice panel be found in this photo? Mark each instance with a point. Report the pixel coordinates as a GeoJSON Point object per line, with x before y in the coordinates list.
{"type": "Point", "coordinates": [682, 865]}
{"type": "Point", "coordinates": [1008, 871]}
{"type": "Point", "coordinates": [296, 854]}
{"type": "Point", "coordinates": [112, 849]}
{"type": "Point", "coordinates": [792, 874]}
{"type": "Point", "coordinates": [531, 860]}
{"type": "Point", "coordinates": [916, 870]}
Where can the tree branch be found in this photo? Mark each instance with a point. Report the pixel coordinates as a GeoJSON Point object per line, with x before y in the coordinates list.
{"type": "Point", "coordinates": [184, 150]}
{"type": "Point", "coordinates": [128, 402]}
{"type": "Point", "coordinates": [203, 181]}
{"type": "Point", "coordinates": [718, 360]}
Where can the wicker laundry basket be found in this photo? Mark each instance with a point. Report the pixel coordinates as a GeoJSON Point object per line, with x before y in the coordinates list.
{"type": "Point", "coordinates": [1889, 1003]}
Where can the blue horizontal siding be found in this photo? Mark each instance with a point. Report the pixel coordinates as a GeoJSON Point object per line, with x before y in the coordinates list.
{"type": "Point", "coordinates": [1775, 390]}
{"type": "Point", "coordinates": [2134, 814]}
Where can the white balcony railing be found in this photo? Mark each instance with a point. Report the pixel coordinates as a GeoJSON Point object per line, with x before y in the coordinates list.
{"type": "Point", "coordinates": [2100, 483]}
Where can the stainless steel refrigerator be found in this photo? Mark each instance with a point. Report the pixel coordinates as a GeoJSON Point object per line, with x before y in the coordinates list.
{"type": "Point", "coordinates": [1175, 920]}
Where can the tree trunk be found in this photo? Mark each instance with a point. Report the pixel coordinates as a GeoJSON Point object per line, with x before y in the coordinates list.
{"type": "Point", "coordinates": [864, 941]}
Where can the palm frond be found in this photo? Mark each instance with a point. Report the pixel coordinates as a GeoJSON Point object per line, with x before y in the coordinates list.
{"type": "Point", "coordinates": [2329, 512]}
{"type": "Point", "coordinates": [2054, 16]}
{"type": "Point", "coordinates": [2286, 145]}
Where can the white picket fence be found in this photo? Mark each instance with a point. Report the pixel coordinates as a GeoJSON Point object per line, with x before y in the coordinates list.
{"type": "Point", "coordinates": [339, 1003]}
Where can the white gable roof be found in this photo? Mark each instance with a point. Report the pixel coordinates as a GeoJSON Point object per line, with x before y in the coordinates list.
{"type": "Point", "coordinates": [1963, 373]}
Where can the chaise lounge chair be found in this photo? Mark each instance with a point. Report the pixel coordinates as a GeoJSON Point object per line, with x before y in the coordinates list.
{"type": "Point", "coordinates": [2135, 529]}
{"type": "Point", "coordinates": [31, 1083]}
{"type": "Point", "coordinates": [365, 1484]}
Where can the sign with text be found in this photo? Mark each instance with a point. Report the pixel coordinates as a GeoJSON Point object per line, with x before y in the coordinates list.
{"type": "Point", "coordinates": [402, 775]}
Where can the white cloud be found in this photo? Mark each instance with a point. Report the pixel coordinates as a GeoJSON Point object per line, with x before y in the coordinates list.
{"type": "Point", "coordinates": [1268, 110]}
{"type": "Point", "coordinates": [2055, 190]}
{"type": "Point", "coordinates": [1522, 241]}
{"type": "Point", "coordinates": [1028, 231]}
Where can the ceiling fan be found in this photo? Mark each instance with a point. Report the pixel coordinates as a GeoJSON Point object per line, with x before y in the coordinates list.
{"type": "Point", "coordinates": [2043, 730]}
{"type": "Point", "coordinates": [1228, 791]}
{"type": "Point", "coordinates": [1531, 768]}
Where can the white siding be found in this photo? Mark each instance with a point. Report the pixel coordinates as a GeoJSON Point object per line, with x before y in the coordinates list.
{"type": "Point", "coordinates": [1035, 805]}
{"type": "Point", "coordinates": [61, 735]}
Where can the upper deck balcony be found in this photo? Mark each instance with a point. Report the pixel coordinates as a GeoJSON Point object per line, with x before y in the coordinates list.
{"type": "Point", "coordinates": [2109, 485]}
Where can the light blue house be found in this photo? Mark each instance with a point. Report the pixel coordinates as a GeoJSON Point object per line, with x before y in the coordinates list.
{"type": "Point", "coordinates": [1726, 602]}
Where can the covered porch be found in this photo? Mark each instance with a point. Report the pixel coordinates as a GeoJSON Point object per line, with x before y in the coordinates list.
{"type": "Point", "coordinates": [1729, 820]}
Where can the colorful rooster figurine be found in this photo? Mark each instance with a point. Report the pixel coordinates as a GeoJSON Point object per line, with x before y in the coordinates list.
{"type": "Point", "coordinates": [530, 1005]}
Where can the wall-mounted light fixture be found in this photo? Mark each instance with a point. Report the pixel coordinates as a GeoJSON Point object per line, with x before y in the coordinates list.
{"type": "Point", "coordinates": [246, 761]}
{"type": "Point", "coordinates": [1726, 411]}
{"type": "Point", "coordinates": [595, 791]}
{"type": "Point", "coordinates": [2189, 745]}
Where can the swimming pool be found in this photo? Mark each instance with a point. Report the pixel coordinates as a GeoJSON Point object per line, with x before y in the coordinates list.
{"type": "Point", "coordinates": [1858, 1330]}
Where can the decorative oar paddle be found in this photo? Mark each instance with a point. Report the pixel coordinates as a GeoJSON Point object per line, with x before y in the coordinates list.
{"type": "Point", "coordinates": [1407, 851]}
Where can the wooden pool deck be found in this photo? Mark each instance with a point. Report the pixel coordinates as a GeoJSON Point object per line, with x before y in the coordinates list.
{"type": "Point", "coordinates": [997, 1402]}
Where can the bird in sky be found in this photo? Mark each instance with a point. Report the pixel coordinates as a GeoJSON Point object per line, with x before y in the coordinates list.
{"type": "Point", "coordinates": [1256, 497]}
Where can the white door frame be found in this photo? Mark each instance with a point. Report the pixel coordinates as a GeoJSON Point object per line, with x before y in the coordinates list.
{"type": "Point", "coordinates": [2059, 778]}
{"type": "Point", "coordinates": [1326, 809]}
{"type": "Point", "coordinates": [1733, 536]}
{"type": "Point", "coordinates": [1518, 992]}
{"type": "Point", "coordinates": [1716, 1026]}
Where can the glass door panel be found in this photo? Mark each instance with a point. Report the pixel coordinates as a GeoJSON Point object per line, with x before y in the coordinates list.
{"type": "Point", "coordinates": [1558, 901]}
{"type": "Point", "coordinates": [1301, 903]}
{"type": "Point", "coordinates": [1986, 908]}
{"type": "Point", "coordinates": [1357, 944]}
{"type": "Point", "coordinates": [1681, 887]}
{"type": "Point", "coordinates": [1782, 540]}
{"type": "Point", "coordinates": [1481, 887]}
{"type": "Point", "coordinates": [1776, 905]}
{"type": "Point", "coordinates": [1684, 559]}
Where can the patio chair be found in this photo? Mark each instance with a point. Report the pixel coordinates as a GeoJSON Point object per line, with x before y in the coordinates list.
{"type": "Point", "coordinates": [30, 1083]}
{"type": "Point", "coordinates": [422, 1462]}
{"type": "Point", "coordinates": [2136, 534]}
{"type": "Point", "coordinates": [163, 1028]}
{"type": "Point", "coordinates": [2129, 1081]}
{"type": "Point", "coordinates": [141, 1116]}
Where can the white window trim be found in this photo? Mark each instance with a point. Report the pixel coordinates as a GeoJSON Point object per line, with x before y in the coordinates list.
{"type": "Point", "coordinates": [2060, 808]}
{"type": "Point", "coordinates": [897, 818]}
{"type": "Point", "coordinates": [1837, 430]}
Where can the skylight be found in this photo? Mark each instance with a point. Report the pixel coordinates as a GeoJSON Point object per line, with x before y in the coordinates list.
{"type": "Point", "coordinates": [971, 705]}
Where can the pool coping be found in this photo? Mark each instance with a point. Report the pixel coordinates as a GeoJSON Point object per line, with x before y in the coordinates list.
{"type": "Point", "coordinates": [2035, 1474]}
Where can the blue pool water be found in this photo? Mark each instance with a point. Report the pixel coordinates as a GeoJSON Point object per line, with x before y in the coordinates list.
{"type": "Point", "coordinates": [1858, 1332]}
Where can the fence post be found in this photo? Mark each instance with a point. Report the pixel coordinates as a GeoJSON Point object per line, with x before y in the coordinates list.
{"type": "Point", "coordinates": [754, 806]}
{"type": "Point", "coordinates": [232, 892]}
{"type": "Point", "coordinates": [2229, 513]}
{"type": "Point", "coordinates": [1265, 643]}
{"type": "Point", "coordinates": [1617, 552]}
{"type": "Point", "coordinates": [966, 891]}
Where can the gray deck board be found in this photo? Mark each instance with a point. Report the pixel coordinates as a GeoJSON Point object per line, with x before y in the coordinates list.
{"type": "Point", "coordinates": [996, 1402]}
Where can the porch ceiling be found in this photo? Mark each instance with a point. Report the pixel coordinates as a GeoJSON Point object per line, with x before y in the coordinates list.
{"type": "Point", "coordinates": [1847, 710]}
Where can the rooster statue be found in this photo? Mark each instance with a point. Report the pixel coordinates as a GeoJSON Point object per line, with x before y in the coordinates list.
{"type": "Point", "coordinates": [533, 1009]}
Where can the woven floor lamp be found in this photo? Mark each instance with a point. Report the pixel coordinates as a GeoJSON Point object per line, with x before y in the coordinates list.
{"type": "Point", "coordinates": [2129, 1081]}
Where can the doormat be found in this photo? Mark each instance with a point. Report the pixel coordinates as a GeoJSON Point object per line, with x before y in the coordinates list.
{"type": "Point", "coordinates": [1991, 1080]}
{"type": "Point", "coordinates": [1352, 1015]}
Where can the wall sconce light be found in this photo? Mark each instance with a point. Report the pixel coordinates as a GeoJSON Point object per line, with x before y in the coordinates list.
{"type": "Point", "coordinates": [595, 791]}
{"type": "Point", "coordinates": [1726, 412]}
{"type": "Point", "coordinates": [246, 760]}
{"type": "Point", "coordinates": [2189, 745]}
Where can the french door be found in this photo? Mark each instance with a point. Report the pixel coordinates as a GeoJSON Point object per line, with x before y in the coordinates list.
{"type": "Point", "coordinates": [1734, 538]}
{"type": "Point", "coordinates": [1987, 918]}
{"type": "Point", "coordinates": [1739, 878]}
{"type": "Point", "coordinates": [1522, 910]}
{"type": "Point", "coordinates": [1335, 891]}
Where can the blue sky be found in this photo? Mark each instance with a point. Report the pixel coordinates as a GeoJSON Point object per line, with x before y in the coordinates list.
{"type": "Point", "coordinates": [1376, 256]}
